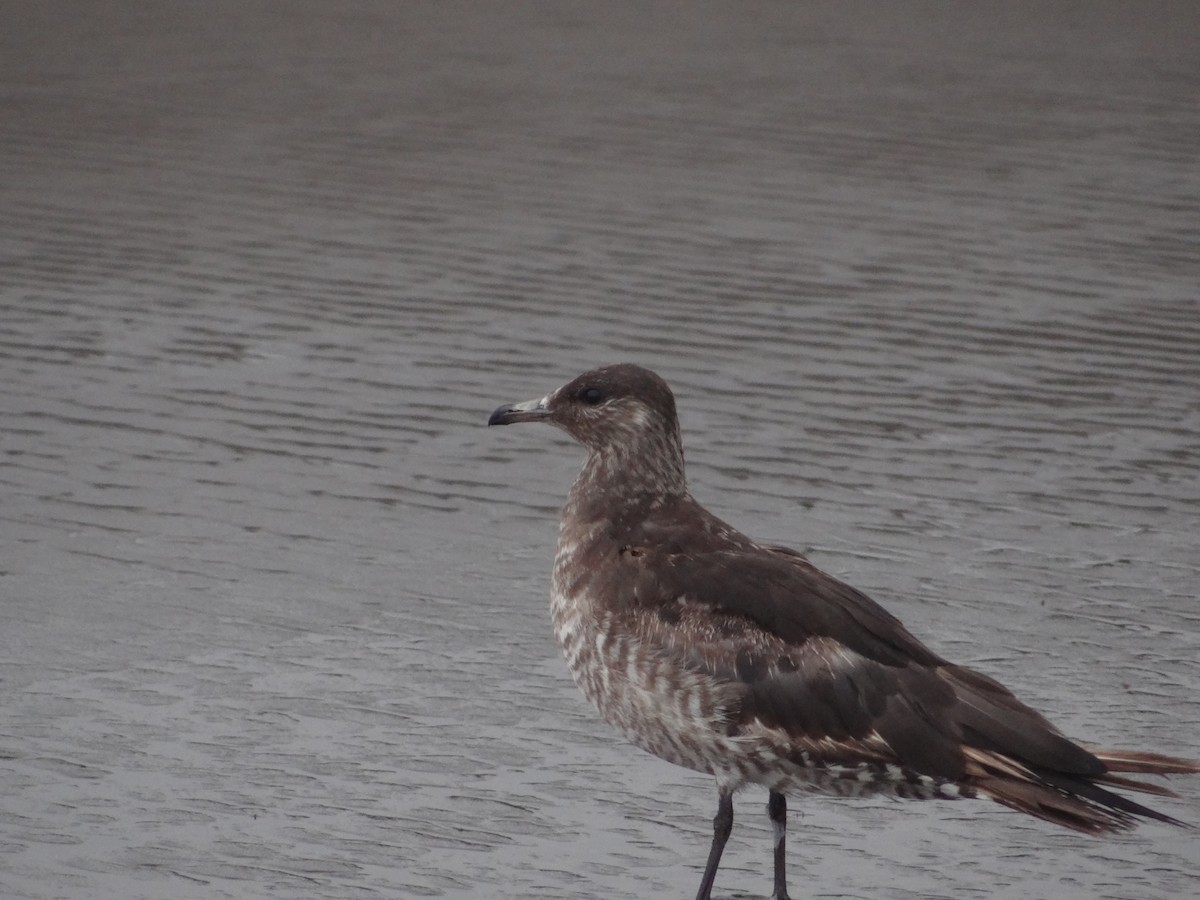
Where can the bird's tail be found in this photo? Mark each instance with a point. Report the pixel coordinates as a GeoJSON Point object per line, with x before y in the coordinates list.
{"type": "Point", "coordinates": [1142, 763]}
{"type": "Point", "coordinates": [1146, 763]}
{"type": "Point", "coordinates": [1079, 801]}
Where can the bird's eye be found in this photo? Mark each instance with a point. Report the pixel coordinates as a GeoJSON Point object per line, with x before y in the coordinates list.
{"type": "Point", "coordinates": [591, 396]}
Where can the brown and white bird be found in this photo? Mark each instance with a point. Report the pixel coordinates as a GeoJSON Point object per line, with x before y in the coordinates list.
{"type": "Point", "coordinates": [747, 662]}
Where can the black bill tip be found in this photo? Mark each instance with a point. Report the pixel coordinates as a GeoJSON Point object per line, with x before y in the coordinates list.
{"type": "Point", "coordinates": [510, 413]}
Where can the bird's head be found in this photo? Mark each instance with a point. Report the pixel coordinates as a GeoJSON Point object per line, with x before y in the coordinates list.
{"type": "Point", "coordinates": [622, 411]}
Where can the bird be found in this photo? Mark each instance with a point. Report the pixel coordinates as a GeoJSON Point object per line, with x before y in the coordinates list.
{"type": "Point", "coordinates": [745, 661]}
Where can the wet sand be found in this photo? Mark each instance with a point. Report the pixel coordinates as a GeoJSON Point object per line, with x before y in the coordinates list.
{"type": "Point", "coordinates": [274, 600]}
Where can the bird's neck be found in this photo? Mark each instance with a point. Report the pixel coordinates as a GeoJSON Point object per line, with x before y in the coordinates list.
{"type": "Point", "coordinates": [621, 478]}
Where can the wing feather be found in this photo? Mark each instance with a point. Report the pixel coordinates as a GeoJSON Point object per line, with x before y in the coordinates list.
{"type": "Point", "coordinates": [822, 661]}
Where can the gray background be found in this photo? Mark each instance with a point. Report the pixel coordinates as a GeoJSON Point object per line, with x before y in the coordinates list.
{"type": "Point", "coordinates": [924, 277]}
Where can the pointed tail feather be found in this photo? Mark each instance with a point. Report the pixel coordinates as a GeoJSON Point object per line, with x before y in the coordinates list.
{"type": "Point", "coordinates": [1110, 803]}
{"type": "Point", "coordinates": [1142, 763]}
{"type": "Point", "coordinates": [1132, 784]}
{"type": "Point", "coordinates": [1077, 801]}
{"type": "Point", "coordinates": [1147, 763]}
{"type": "Point", "coordinates": [1053, 805]}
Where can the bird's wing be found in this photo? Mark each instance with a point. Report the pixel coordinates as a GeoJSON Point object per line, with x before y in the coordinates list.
{"type": "Point", "coordinates": [702, 560]}
{"type": "Point", "coordinates": [820, 660]}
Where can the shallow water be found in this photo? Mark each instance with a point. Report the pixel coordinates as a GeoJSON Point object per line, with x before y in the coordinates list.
{"type": "Point", "coordinates": [274, 600]}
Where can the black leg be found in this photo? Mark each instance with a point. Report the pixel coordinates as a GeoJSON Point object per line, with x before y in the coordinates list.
{"type": "Point", "coordinates": [722, 827]}
{"type": "Point", "coordinates": [777, 810]}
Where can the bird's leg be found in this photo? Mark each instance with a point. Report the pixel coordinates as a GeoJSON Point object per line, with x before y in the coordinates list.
{"type": "Point", "coordinates": [722, 827]}
{"type": "Point", "coordinates": [777, 810]}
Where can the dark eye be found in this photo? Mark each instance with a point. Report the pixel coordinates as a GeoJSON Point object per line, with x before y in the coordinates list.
{"type": "Point", "coordinates": [591, 396]}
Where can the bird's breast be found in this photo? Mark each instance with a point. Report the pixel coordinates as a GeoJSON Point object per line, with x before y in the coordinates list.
{"type": "Point", "coordinates": [661, 705]}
